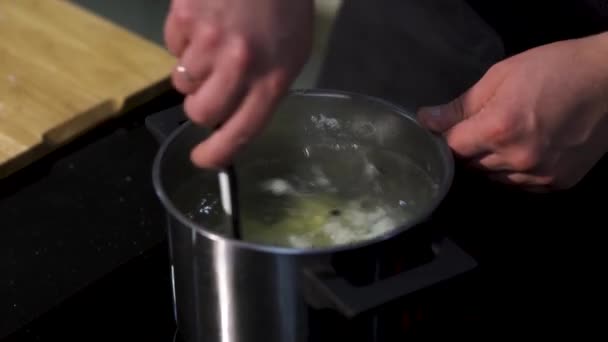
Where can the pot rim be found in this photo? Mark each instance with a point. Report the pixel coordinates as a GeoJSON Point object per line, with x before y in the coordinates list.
{"type": "Point", "coordinates": [444, 186]}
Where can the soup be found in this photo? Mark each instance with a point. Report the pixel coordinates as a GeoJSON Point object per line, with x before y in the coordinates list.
{"type": "Point", "coordinates": [334, 195]}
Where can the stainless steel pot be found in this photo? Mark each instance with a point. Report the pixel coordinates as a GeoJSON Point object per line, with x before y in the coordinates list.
{"type": "Point", "coordinates": [228, 291]}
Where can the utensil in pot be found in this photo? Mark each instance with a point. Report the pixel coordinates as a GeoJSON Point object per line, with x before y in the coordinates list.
{"type": "Point", "coordinates": [229, 198]}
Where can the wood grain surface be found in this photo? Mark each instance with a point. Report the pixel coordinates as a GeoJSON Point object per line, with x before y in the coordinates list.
{"type": "Point", "coordinates": [64, 70]}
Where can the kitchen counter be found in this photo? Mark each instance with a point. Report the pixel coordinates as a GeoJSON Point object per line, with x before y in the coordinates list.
{"type": "Point", "coordinates": [77, 215]}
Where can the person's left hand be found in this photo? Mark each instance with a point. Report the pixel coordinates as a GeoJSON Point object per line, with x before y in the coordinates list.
{"type": "Point", "coordinates": [538, 119]}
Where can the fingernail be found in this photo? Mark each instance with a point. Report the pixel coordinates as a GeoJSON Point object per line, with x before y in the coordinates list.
{"type": "Point", "coordinates": [435, 112]}
{"type": "Point", "coordinates": [430, 116]}
{"type": "Point", "coordinates": [430, 113]}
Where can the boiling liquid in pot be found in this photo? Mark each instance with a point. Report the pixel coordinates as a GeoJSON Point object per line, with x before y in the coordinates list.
{"type": "Point", "coordinates": [329, 195]}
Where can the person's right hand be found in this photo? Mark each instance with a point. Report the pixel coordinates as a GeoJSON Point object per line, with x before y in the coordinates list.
{"type": "Point", "coordinates": [237, 58]}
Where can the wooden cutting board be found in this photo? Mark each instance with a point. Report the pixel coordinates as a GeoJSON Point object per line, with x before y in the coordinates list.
{"type": "Point", "coordinates": [64, 70]}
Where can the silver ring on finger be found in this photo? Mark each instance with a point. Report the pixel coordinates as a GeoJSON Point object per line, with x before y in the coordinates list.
{"type": "Point", "coordinates": [181, 69]}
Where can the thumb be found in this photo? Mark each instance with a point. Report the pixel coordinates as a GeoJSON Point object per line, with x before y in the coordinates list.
{"type": "Point", "coordinates": [443, 117]}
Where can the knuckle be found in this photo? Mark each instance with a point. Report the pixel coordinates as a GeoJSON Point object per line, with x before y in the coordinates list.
{"type": "Point", "coordinates": [515, 179]}
{"type": "Point", "coordinates": [503, 130]}
{"type": "Point", "coordinates": [208, 34]}
{"type": "Point", "coordinates": [526, 160]}
{"type": "Point", "coordinates": [240, 52]}
{"type": "Point", "coordinates": [497, 68]}
{"type": "Point", "coordinates": [552, 181]}
{"type": "Point", "coordinates": [182, 18]}
{"type": "Point", "coordinates": [457, 107]}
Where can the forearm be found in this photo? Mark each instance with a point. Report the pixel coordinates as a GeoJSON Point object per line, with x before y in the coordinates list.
{"type": "Point", "coordinates": [596, 54]}
{"type": "Point", "coordinates": [602, 55]}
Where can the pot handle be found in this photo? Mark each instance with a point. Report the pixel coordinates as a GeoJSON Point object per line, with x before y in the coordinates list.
{"type": "Point", "coordinates": [329, 290]}
{"type": "Point", "coordinates": [163, 123]}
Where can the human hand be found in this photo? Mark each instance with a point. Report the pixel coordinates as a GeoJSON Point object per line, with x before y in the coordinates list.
{"type": "Point", "coordinates": [237, 58]}
{"type": "Point", "coordinates": [538, 119]}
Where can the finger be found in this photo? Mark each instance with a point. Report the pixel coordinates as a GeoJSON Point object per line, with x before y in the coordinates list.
{"type": "Point", "coordinates": [443, 117]}
{"type": "Point", "coordinates": [197, 60]}
{"type": "Point", "coordinates": [521, 179]}
{"type": "Point", "coordinates": [467, 139]}
{"type": "Point", "coordinates": [252, 115]}
{"type": "Point", "coordinates": [223, 90]}
{"type": "Point", "coordinates": [176, 31]}
{"type": "Point", "coordinates": [490, 162]}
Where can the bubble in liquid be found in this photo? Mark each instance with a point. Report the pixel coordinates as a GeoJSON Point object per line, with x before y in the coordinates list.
{"type": "Point", "coordinates": [322, 122]}
{"type": "Point", "coordinates": [306, 152]}
{"type": "Point", "coordinates": [278, 187]}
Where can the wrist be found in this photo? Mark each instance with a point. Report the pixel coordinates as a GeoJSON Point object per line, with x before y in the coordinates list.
{"type": "Point", "coordinates": [603, 47]}
{"type": "Point", "coordinates": [597, 52]}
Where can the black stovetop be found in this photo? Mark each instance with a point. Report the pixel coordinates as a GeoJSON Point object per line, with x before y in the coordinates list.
{"type": "Point", "coordinates": [84, 255]}
{"type": "Point", "coordinates": [78, 215]}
